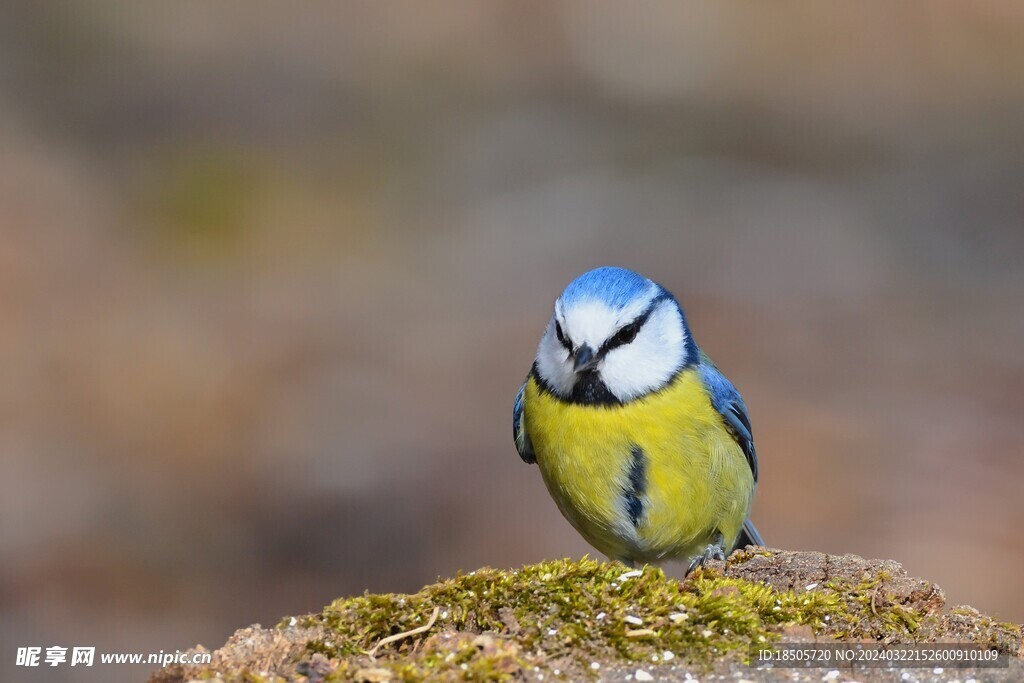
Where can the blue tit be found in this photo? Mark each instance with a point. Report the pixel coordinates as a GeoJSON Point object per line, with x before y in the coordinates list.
{"type": "Point", "coordinates": [645, 447]}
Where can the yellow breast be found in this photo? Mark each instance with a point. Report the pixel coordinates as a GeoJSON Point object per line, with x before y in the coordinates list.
{"type": "Point", "coordinates": [653, 479]}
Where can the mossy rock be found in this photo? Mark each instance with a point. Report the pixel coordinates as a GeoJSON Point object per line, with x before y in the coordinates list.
{"type": "Point", "coordinates": [587, 619]}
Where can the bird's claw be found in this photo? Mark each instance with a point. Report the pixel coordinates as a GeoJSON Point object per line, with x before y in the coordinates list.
{"type": "Point", "coordinates": [713, 551]}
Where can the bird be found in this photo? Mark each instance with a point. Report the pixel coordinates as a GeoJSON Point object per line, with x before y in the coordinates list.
{"type": "Point", "coordinates": [644, 445]}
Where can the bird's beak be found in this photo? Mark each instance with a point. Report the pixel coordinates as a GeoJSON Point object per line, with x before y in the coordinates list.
{"type": "Point", "coordinates": [584, 359]}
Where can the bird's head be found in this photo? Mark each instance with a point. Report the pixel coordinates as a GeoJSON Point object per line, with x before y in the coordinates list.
{"type": "Point", "coordinates": [614, 336]}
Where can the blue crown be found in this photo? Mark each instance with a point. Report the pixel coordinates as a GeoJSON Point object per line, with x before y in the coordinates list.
{"type": "Point", "coordinates": [615, 287]}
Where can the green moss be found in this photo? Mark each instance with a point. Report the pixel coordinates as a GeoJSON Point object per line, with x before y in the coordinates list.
{"type": "Point", "coordinates": [562, 611]}
{"type": "Point", "coordinates": [746, 554]}
{"type": "Point", "coordinates": [446, 657]}
{"type": "Point", "coordinates": [561, 617]}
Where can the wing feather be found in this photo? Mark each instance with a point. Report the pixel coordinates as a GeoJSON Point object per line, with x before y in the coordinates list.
{"type": "Point", "coordinates": [522, 440]}
{"type": "Point", "coordinates": [728, 402]}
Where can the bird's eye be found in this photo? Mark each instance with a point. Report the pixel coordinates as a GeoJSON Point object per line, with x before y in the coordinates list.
{"type": "Point", "coordinates": [625, 335]}
{"type": "Point", "coordinates": [561, 337]}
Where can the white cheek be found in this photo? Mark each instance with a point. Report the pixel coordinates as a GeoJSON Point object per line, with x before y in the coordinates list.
{"type": "Point", "coordinates": [632, 371]}
{"type": "Point", "coordinates": [554, 364]}
{"type": "Point", "coordinates": [649, 361]}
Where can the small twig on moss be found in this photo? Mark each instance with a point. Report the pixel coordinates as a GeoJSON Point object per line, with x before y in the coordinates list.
{"type": "Point", "coordinates": [406, 634]}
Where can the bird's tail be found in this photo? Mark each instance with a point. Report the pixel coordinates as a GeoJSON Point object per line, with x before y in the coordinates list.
{"type": "Point", "coordinates": [749, 536]}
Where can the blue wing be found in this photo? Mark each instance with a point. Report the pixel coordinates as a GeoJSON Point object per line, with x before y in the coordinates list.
{"type": "Point", "coordinates": [727, 401]}
{"type": "Point", "coordinates": [523, 444]}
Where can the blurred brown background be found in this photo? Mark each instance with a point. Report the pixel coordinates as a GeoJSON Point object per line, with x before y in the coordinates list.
{"type": "Point", "coordinates": [271, 275]}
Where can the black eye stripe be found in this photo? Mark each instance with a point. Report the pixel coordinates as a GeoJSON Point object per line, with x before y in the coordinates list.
{"type": "Point", "coordinates": [562, 338]}
{"type": "Point", "coordinates": [627, 333]}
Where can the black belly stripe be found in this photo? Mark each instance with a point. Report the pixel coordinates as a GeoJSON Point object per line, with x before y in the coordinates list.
{"type": "Point", "coordinates": [637, 485]}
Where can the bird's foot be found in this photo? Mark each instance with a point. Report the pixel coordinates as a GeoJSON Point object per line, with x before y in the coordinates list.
{"type": "Point", "coordinates": [713, 551]}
